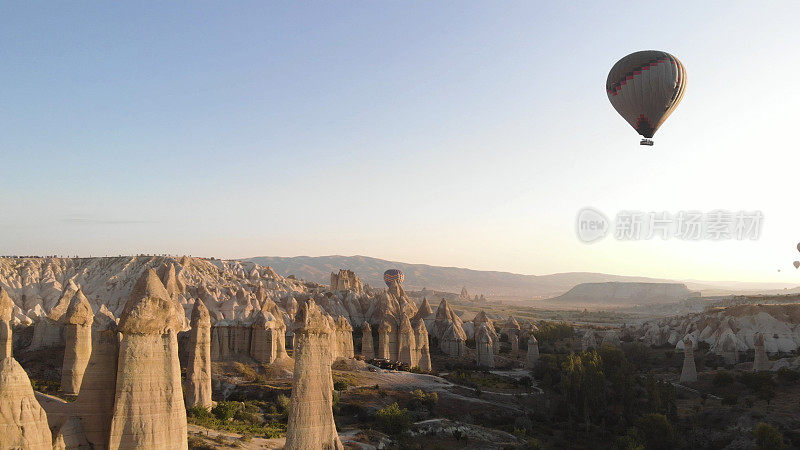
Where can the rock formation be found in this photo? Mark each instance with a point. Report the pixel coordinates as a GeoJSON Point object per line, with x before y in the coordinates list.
{"type": "Point", "coordinates": [367, 345]}
{"type": "Point", "coordinates": [423, 346]}
{"type": "Point", "coordinates": [453, 341]}
{"type": "Point", "coordinates": [730, 351]}
{"type": "Point", "coordinates": [78, 336]}
{"type": "Point", "coordinates": [589, 342]}
{"type": "Point", "coordinates": [611, 337]}
{"type": "Point", "coordinates": [23, 422]}
{"type": "Point", "coordinates": [481, 318]}
{"type": "Point", "coordinates": [484, 347]}
{"type": "Point", "coordinates": [197, 387]}
{"type": "Point", "coordinates": [448, 329]}
{"type": "Point", "coordinates": [407, 344]}
{"type": "Point", "coordinates": [43, 287]}
{"type": "Point", "coordinates": [170, 280]}
{"type": "Point", "coordinates": [70, 435]}
{"type": "Point", "coordinates": [445, 317]}
{"type": "Point", "coordinates": [533, 352]}
{"type": "Point", "coordinates": [761, 361]}
{"type": "Point", "coordinates": [778, 323]}
{"type": "Point", "coordinates": [425, 313]}
{"type": "Point", "coordinates": [267, 340]}
{"type": "Point", "coordinates": [343, 337]}
{"type": "Point", "coordinates": [49, 330]}
{"type": "Point", "coordinates": [149, 408]}
{"type": "Point", "coordinates": [511, 327]}
{"type": "Point", "coordinates": [464, 296]}
{"type": "Point", "coordinates": [387, 339]}
{"type": "Point", "coordinates": [6, 310]}
{"type": "Point", "coordinates": [514, 344]}
{"type": "Point", "coordinates": [95, 403]}
{"type": "Point", "coordinates": [621, 293]}
{"type": "Point", "coordinates": [311, 424]}
{"type": "Point", "coordinates": [689, 371]}
{"type": "Point", "coordinates": [346, 280]}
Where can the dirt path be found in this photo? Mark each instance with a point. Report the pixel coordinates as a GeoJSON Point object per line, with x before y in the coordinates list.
{"type": "Point", "coordinates": [399, 380]}
{"type": "Point", "coordinates": [257, 443]}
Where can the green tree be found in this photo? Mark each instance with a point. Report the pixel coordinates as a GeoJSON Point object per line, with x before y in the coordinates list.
{"type": "Point", "coordinates": [657, 432]}
{"type": "Point", "coordinates": [393, 419]}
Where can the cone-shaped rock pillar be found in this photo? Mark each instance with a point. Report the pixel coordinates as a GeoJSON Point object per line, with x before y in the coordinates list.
{"type": "Point", "coordinates": [149, 411]}
{"type": "Point", "coordinates": [406, 343]}
{"type": "Point", "coordinates": [367, 345]}
{"type": "Point", "coordinates": [533, 352]}
{"type": "Point", "coordinates": [78, 337]}
{"type": "Point", "coordinates": [95, 403]}
{"type": "Point", "coordinates": [343, 335]}
{"type": "Point", "coordinates": [423, 346]}
{"type": "Point", "coordinates": [311, 424]}
{"type": "Point", "coordinates": [6, 312]}
{"type": "Point", "coordinates": [385, 331]}
{"type": "Point", "coordinates": [197, 387]}
{"type": "Point", "coordinates": [761, 361]}
{"type": "Point", "coordinates": [484, 347]}
{"type": "Point", "coordinates": [23, 422]}
{"type": "Point", "coordinates": [689, 371]}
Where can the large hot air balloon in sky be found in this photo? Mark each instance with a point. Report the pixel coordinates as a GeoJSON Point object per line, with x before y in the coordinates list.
{"type": "Point", "coordinates": [393, 275]}
{"type": "Point", "coordinates": [645, 87]}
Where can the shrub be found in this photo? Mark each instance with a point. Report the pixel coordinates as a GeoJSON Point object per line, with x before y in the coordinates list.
{"type": "Point", "coordinates": [768, 437]}
{"type": "Point", "coordinates": [198, 412]}
{"type": "Point", "coordinates": [722, 379]}
{"type": "Point", "coordinates": [420, 399]}
{"type": "Point", "coordinates": [284, 404]}
{"type": "Point", "coordinates": [657, 432]}
{"type": "Point", "coordinates": [393, 419]}
{"type": "Point", "coordinates": [550, 332]}
{"type": "Point", "coordinates": [340, 385]}
{"type": "Point", "coordinates": [757, 381]}
{"type": "Point", "coordinates": [225, 410]}
{"type": "Point", "coordinates": [788, 376]}
{"type": "Point", "coordinates": [533, 444]}
{"type": "Point", "coordinates": [730, 400]}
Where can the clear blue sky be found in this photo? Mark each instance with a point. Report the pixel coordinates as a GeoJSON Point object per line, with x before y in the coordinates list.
{"type": "Point", "coordinates": [450, 133]}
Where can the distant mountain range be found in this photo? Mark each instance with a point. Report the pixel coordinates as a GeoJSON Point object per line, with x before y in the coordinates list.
{"type": "Point", "coordinates": [495, 285]}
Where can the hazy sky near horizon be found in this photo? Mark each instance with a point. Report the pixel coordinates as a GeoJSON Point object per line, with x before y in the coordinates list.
{"type": "Point", "coordinates": [449, 133]}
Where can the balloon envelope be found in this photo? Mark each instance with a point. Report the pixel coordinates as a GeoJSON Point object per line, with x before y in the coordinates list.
{"type": "Point", "coordinates": [645, 88]}
{"type": "Point", "coordinates": [393, 275]}
{"type": "Point", "coordinates": [798, 246]}
{"type": "Point", "coordinates": [796, 264]}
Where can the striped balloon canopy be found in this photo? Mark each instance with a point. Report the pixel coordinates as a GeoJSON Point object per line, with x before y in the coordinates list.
{"type": "Point", "coordinates": [393, 275]}
{"type": "Point", "coordinates": [645, 88]}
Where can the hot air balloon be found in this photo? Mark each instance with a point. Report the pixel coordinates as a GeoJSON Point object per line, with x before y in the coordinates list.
{"type": "Point", "coordinates": [393, 275]}
{"type": "Point", "coordinates": [796, 264]}
{"type": "Point", "coordinates": [645, 88]}
{"type": "Point", "coordinates": [798, 246]}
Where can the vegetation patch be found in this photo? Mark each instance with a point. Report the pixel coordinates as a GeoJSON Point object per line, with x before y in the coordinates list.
{"type": "Point", "coordinates": [249, 418]}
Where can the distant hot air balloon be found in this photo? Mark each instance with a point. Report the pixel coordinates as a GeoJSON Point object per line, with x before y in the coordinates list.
{"type": "Point", "coordinates": [798, 246]}
{"type": "Point", "coordinates": [645, 87]}
{"type": "Point", "coordinates": [393, 275]}
{"type": "Point", "coordinates": [796, 264]}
